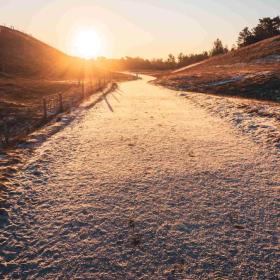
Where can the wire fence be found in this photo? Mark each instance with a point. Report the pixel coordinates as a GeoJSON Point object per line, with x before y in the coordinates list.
{"type": "Point", "coordinates": [18, 121]}
{"type": "Point", "coordinates": [24, 120]}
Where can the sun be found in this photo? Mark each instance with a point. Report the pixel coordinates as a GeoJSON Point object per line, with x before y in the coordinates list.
{"type": "Point", "coordinates": [86, 44]}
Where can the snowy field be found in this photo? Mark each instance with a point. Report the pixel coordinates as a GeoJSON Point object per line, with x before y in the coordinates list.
{"type": "Point", "coordinates": [149, 185]}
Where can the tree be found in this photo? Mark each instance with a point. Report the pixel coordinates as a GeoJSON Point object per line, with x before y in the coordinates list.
{"type": "Point", "coordinates": [245, 38]}
{"type": "Point", "coordinates": [218, 48]}
{"type": "Point", "coordinates": [233, 48]}
{"type": "Point", "coordinates": [171, 60]}
{"type": "Point", "coordinates": [266, 28]}
{"type": "Point", "coordinates": [181, 58]}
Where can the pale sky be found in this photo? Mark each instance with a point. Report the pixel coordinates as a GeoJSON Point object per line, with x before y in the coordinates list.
{"type": "Point", "coordinates": [147, 28]}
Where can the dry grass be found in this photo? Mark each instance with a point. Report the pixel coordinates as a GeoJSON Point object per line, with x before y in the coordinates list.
{"type": "Point", "coordinates": [25, 56]}
{"type": "Point", "coordinates": [22, 92]}
{"type": "Point", "coordinates": [21, 105]}
{"type": "Point", "coordinates": [28, 92]}
{"type": "Point", "coordinates": [253, 72]}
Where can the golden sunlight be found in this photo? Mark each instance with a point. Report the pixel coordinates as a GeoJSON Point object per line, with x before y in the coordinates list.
{"type": "Point", "coordinates": [87, 44]}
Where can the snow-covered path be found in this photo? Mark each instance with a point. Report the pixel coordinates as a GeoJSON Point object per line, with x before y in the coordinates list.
{"type": "Point", "coordinates": [145, 186]}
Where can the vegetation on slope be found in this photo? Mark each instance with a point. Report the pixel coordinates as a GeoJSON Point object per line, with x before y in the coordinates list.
{"type": "Point", "coordinates": [252, 71]}
{"type": "Point", "coordinates": [267, 28]}
{"type": "Point", "coordinates": [25, 56]}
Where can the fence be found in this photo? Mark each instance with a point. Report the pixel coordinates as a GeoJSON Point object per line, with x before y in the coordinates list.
{"type": "Point", "coordinates": [27, 119]}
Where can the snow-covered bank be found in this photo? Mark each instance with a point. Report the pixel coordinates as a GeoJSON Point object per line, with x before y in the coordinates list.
{"type": "Point", "coordinates": [258, 119]}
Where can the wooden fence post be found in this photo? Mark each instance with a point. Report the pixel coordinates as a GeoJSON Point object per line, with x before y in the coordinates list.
{"type": "Point", "coordinates": [60, 103]}
{"type": "Point", "coordinates": [45, 111]}
{"type": "Point", "coordinates": [83, 89]}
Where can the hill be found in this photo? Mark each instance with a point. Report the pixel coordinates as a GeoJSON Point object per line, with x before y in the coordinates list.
{"type": "Point", "coordinates": [252, 71]}
{"type": "Point", "coordinates": [34, 77]}
{"type": "Point", "coordinates": [22, 55]}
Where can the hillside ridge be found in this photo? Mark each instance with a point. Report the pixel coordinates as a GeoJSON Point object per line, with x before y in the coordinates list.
{"type": "Point", "coordinates": [23, 55]}
{"type": "Point", "coordinates": [252, 71]}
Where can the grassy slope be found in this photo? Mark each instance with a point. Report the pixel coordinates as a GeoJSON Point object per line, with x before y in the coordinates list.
{"type": "Point", "coordinates": [253, 71]}
{"type": "Point", "coordinates": [25, 56]}
{"type": "Point", "coordinates": [30, 70]}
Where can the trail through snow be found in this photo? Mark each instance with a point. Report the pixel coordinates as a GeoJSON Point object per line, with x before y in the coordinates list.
{"type": "Point", "coordinates": [146, 185]}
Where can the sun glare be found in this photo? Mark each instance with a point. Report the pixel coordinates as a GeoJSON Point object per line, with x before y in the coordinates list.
{"type": "Point", "coordinates": [87, 44]}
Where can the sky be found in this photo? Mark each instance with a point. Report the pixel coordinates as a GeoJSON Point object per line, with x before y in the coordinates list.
{"type": "Point", "coordinates": [146, 28]}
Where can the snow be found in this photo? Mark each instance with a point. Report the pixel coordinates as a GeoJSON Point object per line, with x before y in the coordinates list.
{"type": "Point", "coordinates": [239, 78]}
{"type": "Point", "coordinates": [257, 119]}
{"type": "Point", "coordinates": [223, 82]}
{"type": "Point", "coordinates": [188, 67]}
{"type": "Point", "coordinates": [269, 59]}
{"type": "Point", "coordinates": [156, 188]}
{"type": "Point", "coordinates": [259, 73]}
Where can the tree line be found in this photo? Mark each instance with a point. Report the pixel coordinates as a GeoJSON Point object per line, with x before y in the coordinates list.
{"type": "Point", "coordinates": [158, 64]}
{"type": "Point", "coordinates": [266, 28]}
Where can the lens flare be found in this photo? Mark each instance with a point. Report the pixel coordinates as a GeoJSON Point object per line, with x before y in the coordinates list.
{"type": "Point", "coordinates": [86, 44]}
